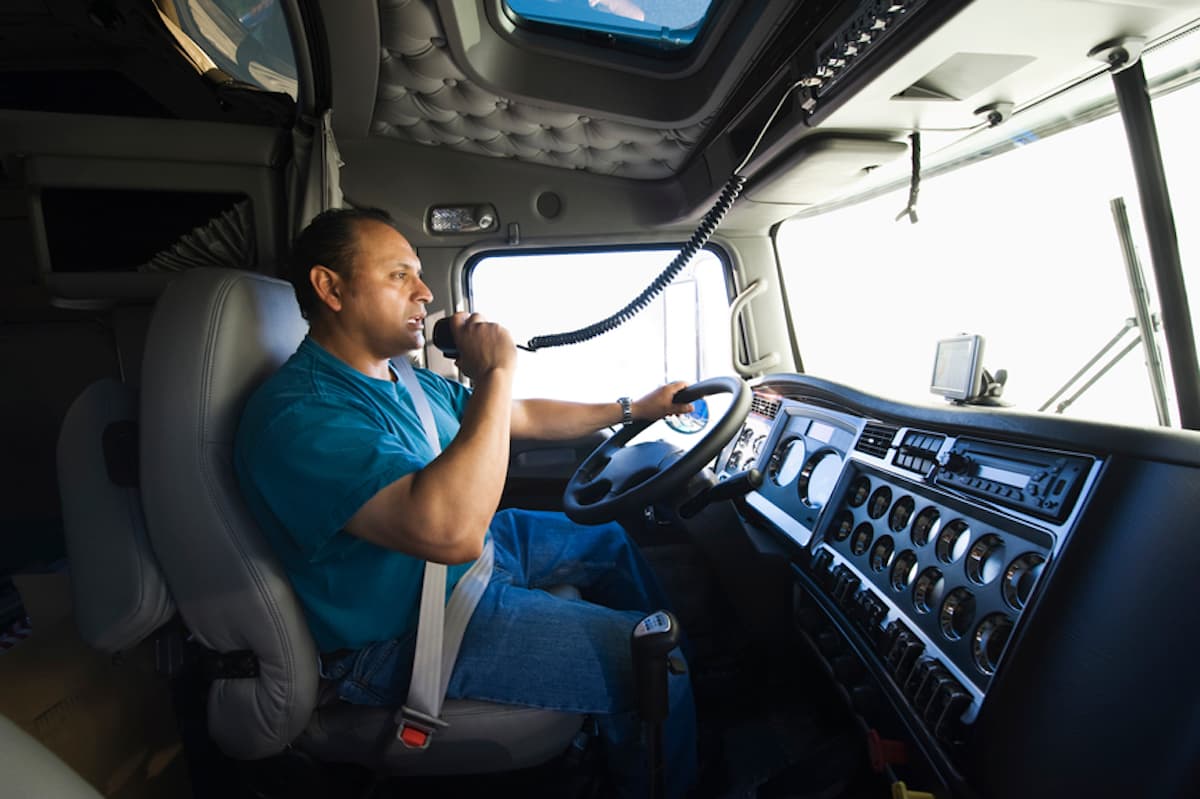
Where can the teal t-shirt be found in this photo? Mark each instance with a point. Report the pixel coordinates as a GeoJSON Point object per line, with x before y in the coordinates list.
{"type": "Point", "coordinates": [316, 441]}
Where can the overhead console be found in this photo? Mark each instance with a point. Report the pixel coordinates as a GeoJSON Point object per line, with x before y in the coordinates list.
{"type": "Point", "coordinates": [917, 551]}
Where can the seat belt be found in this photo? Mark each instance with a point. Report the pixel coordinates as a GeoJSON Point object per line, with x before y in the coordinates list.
{"type": "Point", "coordinates": [441, 624]}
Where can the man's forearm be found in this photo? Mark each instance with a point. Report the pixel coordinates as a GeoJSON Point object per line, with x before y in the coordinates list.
{"type": "Point", "coordinates": [467, 479]}
{"type": "Point", "coordinates": [545, 419]}
{"type": "Point", "coordinates": [442, 512]}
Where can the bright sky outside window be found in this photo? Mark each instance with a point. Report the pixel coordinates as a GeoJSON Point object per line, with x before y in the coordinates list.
{"type": "Point", "coordinates": [665, 24]}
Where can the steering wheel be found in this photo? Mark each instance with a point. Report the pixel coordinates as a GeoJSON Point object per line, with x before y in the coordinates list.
{"type": "Point", "coordinates": [616, 480]}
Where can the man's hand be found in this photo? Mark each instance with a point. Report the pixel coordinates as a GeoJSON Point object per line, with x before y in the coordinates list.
{"type": "Point", "coordinates": [660, 403]}
{"type": "Point", "coordinates": [482, 345]}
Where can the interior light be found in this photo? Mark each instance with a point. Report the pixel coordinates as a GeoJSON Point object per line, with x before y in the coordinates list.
{"type": "Point", "coordinates": [463, 219]}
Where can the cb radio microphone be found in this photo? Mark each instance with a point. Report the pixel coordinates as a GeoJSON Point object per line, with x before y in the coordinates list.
{"type": "Point", "coordinates": [443, 339]}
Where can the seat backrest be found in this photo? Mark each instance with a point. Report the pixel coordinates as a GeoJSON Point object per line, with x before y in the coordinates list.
{"type": "Point", "coordinates": [216, 334]}
{"type": "Point", "coordinates": [119, 593]}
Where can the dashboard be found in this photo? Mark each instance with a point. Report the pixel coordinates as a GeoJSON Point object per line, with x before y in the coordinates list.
{"type": "Point", "coordinates": [979, 583]}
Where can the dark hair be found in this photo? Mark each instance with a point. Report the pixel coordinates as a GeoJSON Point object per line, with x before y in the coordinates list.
{"type": "Point", "coordinates": [331, 240]}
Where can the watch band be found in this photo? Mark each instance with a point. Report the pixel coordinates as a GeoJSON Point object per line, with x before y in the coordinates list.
{"type": "Point", "coordinates": [626, 410]}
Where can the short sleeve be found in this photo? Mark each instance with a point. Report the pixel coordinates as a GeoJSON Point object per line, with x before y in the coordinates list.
{"type": "Point", "coordinates": [315, 464]}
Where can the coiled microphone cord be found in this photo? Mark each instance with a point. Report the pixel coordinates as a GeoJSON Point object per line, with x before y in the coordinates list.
{"type": "Point", "coordinates": [699, 238]}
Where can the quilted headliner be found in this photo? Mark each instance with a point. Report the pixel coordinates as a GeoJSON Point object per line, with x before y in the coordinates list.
{"type": "Point", "coordinates": [423, 97]}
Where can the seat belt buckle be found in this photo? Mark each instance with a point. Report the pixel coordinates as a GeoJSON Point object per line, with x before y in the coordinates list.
{"type": "Point", "coordinates": [415, 729]}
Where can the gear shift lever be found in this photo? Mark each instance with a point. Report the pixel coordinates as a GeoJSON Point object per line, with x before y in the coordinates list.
{"type": "Point", "coordinates": [653, 639]}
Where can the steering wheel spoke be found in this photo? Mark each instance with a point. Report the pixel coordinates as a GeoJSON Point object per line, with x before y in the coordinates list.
{"type": "Point", "coordinates": [618, 480]}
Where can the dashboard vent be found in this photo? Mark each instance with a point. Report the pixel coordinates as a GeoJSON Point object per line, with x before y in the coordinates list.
{"type": "Point", "coordinates": [764, 406]}
{"type": "Point", "coordinates": [876, 438]}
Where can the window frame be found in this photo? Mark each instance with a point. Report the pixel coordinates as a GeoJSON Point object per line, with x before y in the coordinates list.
{"type": "Point", "coordinates": [469, 258]}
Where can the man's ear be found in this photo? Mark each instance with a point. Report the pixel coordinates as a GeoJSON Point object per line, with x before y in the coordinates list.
{"type": "Point", "coordinates": [328, 286]}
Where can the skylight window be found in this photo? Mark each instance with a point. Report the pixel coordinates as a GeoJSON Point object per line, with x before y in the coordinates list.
{"type": "Point", "coordinates": [665, 25]}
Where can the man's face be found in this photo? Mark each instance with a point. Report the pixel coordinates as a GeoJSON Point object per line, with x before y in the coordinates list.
{"type": "Point", "coordinates": [384, 297]}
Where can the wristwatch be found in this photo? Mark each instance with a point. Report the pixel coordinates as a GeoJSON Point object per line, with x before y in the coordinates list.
{"type": "Point", "coordinates": [626, 410]}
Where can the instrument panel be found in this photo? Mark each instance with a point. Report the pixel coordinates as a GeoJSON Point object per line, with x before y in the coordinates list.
{"type": "Point", "coordinates": [925, 546]}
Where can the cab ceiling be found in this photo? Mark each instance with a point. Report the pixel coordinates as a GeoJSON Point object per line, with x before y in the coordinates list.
{"type": "Point", "coordinates": [454, 75]}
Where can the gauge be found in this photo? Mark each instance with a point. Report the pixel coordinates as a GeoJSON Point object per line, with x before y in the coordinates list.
{"type": "Point", "coordinates": [819, 477]}
{"type": "Point", "coordinates": [1019, 579]}
{"type": "Point", "coordinates": [691, 422]}
{"type": "Point", "coordinates": [881, 553]}
{"type": "Point", "coordinates": [904, 570]}
{"type": "Point", "coordinates": [860, 489]}
{"type": "Point", "coordinates": [958, 611]}
{"type": "Point", "coordinates": [952, 541]}
{"type": "Point", "coordinates": [987, 645]}
{"type": "Point", "coordinates": [861, 539]}
{"type": "Point", "coordinates": [927, 591]}
{"type": "Point", "coordinates": [925, 526]}
{"type": "Point", "coordinates": [879, 502]}
{"type": "Point", "coordinates": [842, 524]}
{"type": "Point", "coordinates": [901, 513]}
{"type": "Point", "coordinates": [791, 462]}
{"type": "Point", "coordinates": [985, 560]}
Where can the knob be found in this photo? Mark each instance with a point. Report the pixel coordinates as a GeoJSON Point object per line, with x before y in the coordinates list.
{"type": "Point", "coordinates": [955, 463]}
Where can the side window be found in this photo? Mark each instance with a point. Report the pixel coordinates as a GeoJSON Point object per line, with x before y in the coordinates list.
{"type": "Point", "coordinates": [683, 334]}
{"type": "Point", "coordinates": [248, 39]}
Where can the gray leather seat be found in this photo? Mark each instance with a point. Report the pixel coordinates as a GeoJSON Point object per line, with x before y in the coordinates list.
{"type": "Point", "coordinates": [215, 335]}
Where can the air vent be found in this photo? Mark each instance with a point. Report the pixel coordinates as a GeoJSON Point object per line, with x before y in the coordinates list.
{"type": "Point", "coordinates": [918, 451]}
{"type": "Point", "coordinates": [764, 406]}
{"type": "Point", "coordinates": [876, 438]}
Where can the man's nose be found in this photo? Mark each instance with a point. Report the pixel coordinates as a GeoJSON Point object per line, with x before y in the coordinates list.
{"type": "Point", "coordinates": [423, 292]}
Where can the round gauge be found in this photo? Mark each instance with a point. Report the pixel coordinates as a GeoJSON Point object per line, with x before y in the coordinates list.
{"type": "Point", "coordinates": [819, 477]}
{"type": "Point", "coordinates": [861, 540]}
{"type": "Point", "coordinates": [881, 553]}
{"type": "Point", "coordinates": [927, 591]}
{"type": "Point", "coordinates": [1019, 579]}
{"type": "Point", "coordinates": [790, 462]}
{"type": "Point", "coordinates": [952, 541]}
{"type": "Point", "coordinates": [958, 611]}
{"type": "Point", "coordinates": [860, 489]}
{"type": "Point", "coordinates": [878, 504]}
{"type": "Point", "coordinates": [987, 645]}
{"type": "Point", "coordinates": [901, 513]}
{"type": "Point", "coordinates": [904, 570]}
{"type": "Point", "coordinates": [842, 524]}
{"type": "Point", "coordinates": [985, 560]}
{"type": "Point", "coordinates": [925, 526]}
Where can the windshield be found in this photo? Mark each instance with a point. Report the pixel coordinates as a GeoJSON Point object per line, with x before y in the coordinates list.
{"type": "Point", "coordinates": [1018, 243]}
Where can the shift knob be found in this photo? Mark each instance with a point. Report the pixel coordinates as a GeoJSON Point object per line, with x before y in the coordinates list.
{"type": "Point", "coordinates": [653, 638]}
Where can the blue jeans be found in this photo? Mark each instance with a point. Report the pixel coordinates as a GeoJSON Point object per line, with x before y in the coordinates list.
{"type": "Point", "coordinates": [524, 646]}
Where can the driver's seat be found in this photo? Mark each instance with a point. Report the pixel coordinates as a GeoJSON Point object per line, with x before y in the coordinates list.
{"type": "Point", "coordinates": [215, 335]}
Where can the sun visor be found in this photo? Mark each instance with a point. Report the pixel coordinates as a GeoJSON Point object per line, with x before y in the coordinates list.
{"type": "Point", "coordinates": [823, 167]}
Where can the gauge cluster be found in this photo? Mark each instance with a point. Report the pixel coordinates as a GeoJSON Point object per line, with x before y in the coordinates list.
{"type": "Point", "coordinates": [932, 578]}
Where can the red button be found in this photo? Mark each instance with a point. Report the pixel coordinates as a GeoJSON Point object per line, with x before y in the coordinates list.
{"type": "Point", "coordinates": [412, 737]}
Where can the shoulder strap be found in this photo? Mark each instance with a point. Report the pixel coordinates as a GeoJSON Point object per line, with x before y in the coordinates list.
{"type": "Point", "coordinates": [439, 627]}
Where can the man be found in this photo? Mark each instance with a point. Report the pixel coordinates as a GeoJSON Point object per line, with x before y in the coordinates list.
{"type": "Point", "coordinates": [336, 468]}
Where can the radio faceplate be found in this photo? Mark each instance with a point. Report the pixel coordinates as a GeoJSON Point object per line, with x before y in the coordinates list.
{"type": "Point", "coordinates": [1040, 483]}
